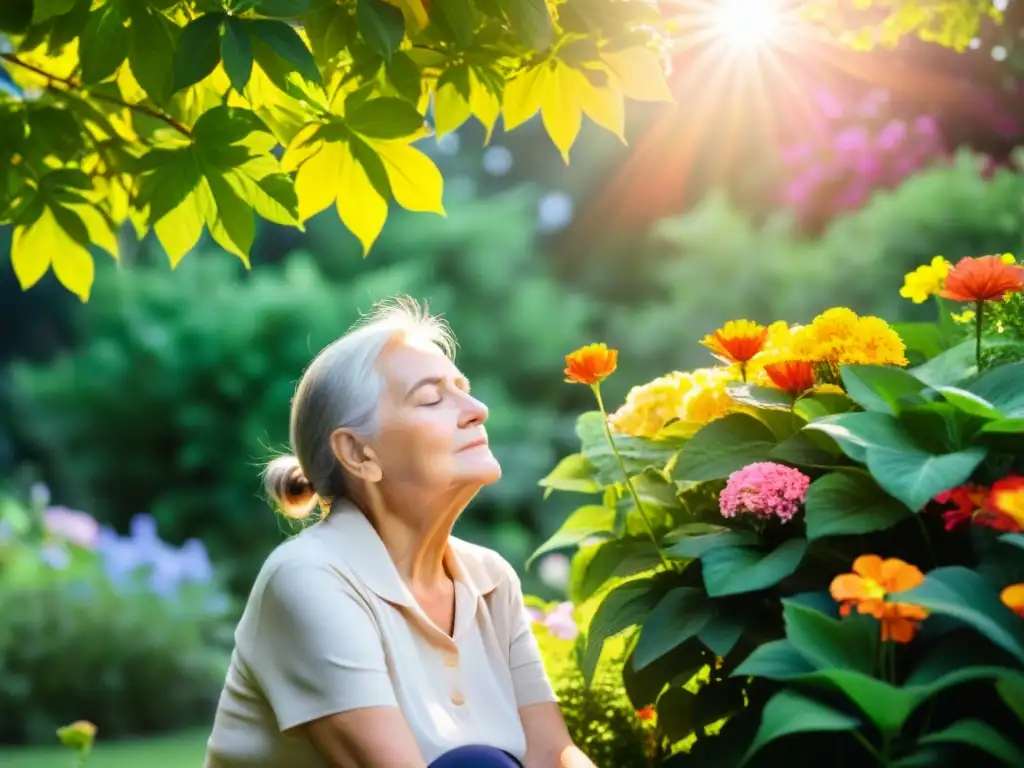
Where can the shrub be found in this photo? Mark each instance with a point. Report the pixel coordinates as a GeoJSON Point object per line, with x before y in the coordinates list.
{"type": "Point", "coordinates": [127, 632]}
{"type": "Point", "coordinates": [816, 542]}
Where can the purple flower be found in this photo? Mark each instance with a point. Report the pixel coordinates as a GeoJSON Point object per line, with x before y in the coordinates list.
{"type": "Point", "coordinates": [892, 135]}
{"type": "Point", "coordinates": [765, 490]}
{"type": "Point", "coordinates": [561, 623]}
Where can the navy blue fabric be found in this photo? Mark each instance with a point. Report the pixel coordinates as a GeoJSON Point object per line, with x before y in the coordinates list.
{"type": "Point", "coordinates": [476, 757]}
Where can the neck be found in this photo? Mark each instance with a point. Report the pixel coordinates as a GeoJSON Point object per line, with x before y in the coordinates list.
{"type": "Point", "coordinates": [416, 543]}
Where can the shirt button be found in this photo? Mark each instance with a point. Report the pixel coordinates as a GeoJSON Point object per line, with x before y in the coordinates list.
{"type": "Point", "coordinates": [451, 660]}
{"type": "Point", "coordinates": [458, 699]}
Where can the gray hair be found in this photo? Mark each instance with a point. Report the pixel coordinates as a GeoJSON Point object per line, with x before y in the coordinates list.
{"type": "Point", "coordinates": [342, 387]}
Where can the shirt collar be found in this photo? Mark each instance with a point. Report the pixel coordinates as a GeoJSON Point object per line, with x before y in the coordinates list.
{"type": "Point", "coordinates": [364, 553]}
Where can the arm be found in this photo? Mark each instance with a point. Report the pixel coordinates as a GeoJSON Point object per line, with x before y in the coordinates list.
{"type": "Point", "coordinates": [548, 744]}
{"type": "Point", "coordinates": [318, 657]}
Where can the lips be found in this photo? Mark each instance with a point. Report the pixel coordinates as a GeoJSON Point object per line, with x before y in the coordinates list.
{"type": "Point", "coordinates": [474, 444]}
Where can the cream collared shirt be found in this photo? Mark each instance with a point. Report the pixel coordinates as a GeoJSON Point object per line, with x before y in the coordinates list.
{"type": "Point", "coordinates": [330, 627]}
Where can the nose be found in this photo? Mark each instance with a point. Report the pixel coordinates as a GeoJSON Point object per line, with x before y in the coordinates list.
{"type": "Point", "coordinates": [474, 413]}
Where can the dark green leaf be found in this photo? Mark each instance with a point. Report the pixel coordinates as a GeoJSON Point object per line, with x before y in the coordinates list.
{"type": "Point", "coordinates": [385, 118]}
{"type": "Point", "coordinates": [696, 546]}
{"type": "Point", "coordinates": [718, 700]}
{"type": "Point", "coordinates": [619, 558]}
{"type": "Point", "coordinates": [153, 48]}
{"type": "Point", "coordinates": [71, 223]}
{"type": "Point", "coordinates": [460, 17]}
{"type": "Point", "coordinates": [968, 402]}
{"type": "Point", "coordinates": [405, 76]}
{"type": "Point", "coordinates": [775, 660]}
{"type": "Point", "coordinates": [65, 178]}
{"type": "Point", "coordinates": [283, 9]}
{"type": "Point", "coordinates": [879, 387]}
{"type": "Point", "coordinates": [1002, 388]}
{"type": "Point", "coordinates": [223, 126]}
{"type": "Point", "coordinates": [887, 706]}
{"type": "Point", "coordinates": [804, 449]}
{"type": "Point", "coordinates": [840, 504]}
{"type": "Point", "coordinates": [675, 709]}
{"type": "Point", "coordinates": [916, 477]}
{"type": "Point", "coordinates": [1013, 539]}
{"type": "Point", "coordinates": [721, 634]}
{"type": "Point", "coordinates": [951, 367]}
{"type": "Point", "coordinates": [623, 607]}
{"type": "Point", "coordinates": [104, 44]}
{"type": "Point", "coordinates": [381, 25]}
{"type": "Point", "coordinates": [680, 615]}
{"type": "Point", "coordinates": [826, 642]}
{"type": "Point", "coordinates": [926, 339]}
{"type": "Point", "coordinates": [723, 447]}
{"type": "Point", "coordinates": [198, 50]}
{"type": "Point", "coordinates": [585, 522]}
{"type": "Point", "coordinates": [856, 432]}
{"type": "Point", "coordinates": [1011, 691]}
{"type": "Point", "coordinates": [531, 22]}
{"type": "Point", "coordinates": [789, 712]}
{"type": "Point", "coordinates": [637, 453]}
{"type": "Point", "coordinates": [737, 570]}
{"type": "Point", "coordinates": [760, 397]}
{"type": "Point", "coordinates": [235, 224]}
{"type": "Point", "coordinates": [815, 406]}
{"type": "Point", "coordinates": [44, 10]}
{"type": "Point", "coordinates": [981, 736]}
{"type": "Point", "coordinates": [236, 52]}
{"type": "Point", "coordinates": [963, 594]}
{"type": "Point", "coordinates": [286, 43]}
{"type": "Point", "coordinates": [15, 16]}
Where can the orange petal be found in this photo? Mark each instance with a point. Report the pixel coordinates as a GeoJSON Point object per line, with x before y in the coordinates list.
{"type": "Point", "coordinates": [898, 576]}
{"type": "Point", "coordinates": [1013, 598]}
{"type": "Point", "coordinates": [869, 566]}
{"type": "Point", "coordinates": [848, 586]}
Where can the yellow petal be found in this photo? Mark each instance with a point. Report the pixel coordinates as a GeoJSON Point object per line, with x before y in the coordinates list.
{"type": "Point", "coordinates": [523, 96]}
{"type": "Point", "coordinates": [360, 206]}
{"type": "Point", "coordinates": [639, 73]}
{"type": "Point", "coordinates": [416, 182]}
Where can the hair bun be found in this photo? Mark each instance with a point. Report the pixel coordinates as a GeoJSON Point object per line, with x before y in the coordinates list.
{"type": "Point", "coordinates": [289, 488]}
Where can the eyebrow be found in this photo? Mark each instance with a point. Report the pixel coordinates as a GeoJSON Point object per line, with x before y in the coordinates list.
{"type": "Point", "coordinates": [460, 381]}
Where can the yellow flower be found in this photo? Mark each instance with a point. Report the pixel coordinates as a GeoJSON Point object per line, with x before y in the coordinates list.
{"type": "Point", "coordinates": [925, 281]}
{"type": "Point", "coordinates": [691, 398]}
{"type": "Point", "coordinates": [79, 736]}
{"type": "Point", "coordinates": [840, 337]}
{"type": "Point", "coordinates": [707, 398]}
{"type": "Point", "coordinates": [964, 317]}
{"type": "Point", "coordinates": [1008, 258]}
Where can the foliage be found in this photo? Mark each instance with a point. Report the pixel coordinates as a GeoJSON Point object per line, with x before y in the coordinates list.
{"type": "Point", "coordinates": [213, 362]}
{"type": "Point", "coordinates": [169, 114]}
{"type": "Point", "coordinates": [749, 620]}
{"type": "Point", "coordinates": [127, 632]}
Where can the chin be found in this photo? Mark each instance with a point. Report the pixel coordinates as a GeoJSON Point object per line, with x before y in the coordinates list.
{"type": "Point", "coordinates": [482, 471]}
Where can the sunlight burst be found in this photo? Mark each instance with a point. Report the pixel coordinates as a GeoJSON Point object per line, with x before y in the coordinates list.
{"type": "Point", "coordinates": [747, 23]}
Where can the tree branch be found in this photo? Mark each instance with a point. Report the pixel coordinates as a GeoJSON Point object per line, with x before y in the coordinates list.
{"type": "Point", "coordinates": [72, 85]}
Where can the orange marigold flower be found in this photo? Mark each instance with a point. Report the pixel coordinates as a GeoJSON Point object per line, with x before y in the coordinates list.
{"type": "Point", "coordinates": [867, 587]}
{"type": "Point", "coordinates": [737, 341]}
{"type": "Point", "coordinates": [792, 376]}
{"type": "Point", "coordinates": [1013, 598]}
{"type": "Point", "coordinates": [647, 713]}
{"type": "Point", "coordinates": [984, 278]}
{"type": "Point", "coordinates": [1007, 498]}
{"type": "Point", "coordinates": [591, 364]}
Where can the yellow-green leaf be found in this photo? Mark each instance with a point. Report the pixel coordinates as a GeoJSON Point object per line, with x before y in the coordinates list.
{"type": "Point", "coordinates": [415, 181]}
{"type": "Point", "coordinates": [560, 108]}
{"type": "Point", "coordinates": [100, 231]}
{"type": "Point", "coordinates": [45, 243]}
{"type": "Point", "coordinates": [639, 73]}
{"type": "Point", "coordinates": [317, 181]}
{"type": "Point", "coordinates": [602, 104]}
{"type": "Point", "coordinates": [231, 221]}
{"type": "Point", "coordinates": [523, 96]}
{"type": "Point", "coordinates": [179, 231]}
{"type": "Point", "coordinates": [450, 109]}
{"type": "Point", "coordinates": [414, 12]}
{"type": "Point", "coordinates": [360, 206]}
{"type": "Point", "coordinates": [483, 103]}
{"type": "Point", "coordinates": [302, 147]}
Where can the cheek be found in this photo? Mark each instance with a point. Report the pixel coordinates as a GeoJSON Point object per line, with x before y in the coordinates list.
{"type": "Point", "coordinates": [417, 440]}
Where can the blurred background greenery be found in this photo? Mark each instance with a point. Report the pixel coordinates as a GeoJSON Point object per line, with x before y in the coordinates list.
{"type": "Point", "coordinates": [153, 407]}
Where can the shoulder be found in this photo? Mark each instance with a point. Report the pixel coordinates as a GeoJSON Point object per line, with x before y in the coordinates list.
{"type": "Point", "coordinates": [489, 570]}
{"type": "Point", "coordinates": [304, 564]}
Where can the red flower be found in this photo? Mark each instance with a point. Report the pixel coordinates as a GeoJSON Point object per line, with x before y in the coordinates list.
{"type": "Point", "coordinates": [647, 713]}
{"type": "Point", "coordinates": [792, 376]}
{"type": "Point", "coordinates": [985, 278]}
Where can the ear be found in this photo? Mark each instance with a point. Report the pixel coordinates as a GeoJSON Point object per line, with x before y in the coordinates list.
{"type": "Point", "coordinates": [356, 457]}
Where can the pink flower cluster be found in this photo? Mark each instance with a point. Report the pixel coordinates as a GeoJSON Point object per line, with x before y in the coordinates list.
{"type": "Point", "coordinates": [765, 490]}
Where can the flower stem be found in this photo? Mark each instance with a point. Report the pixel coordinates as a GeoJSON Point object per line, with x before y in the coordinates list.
{"type": "Point", "coordinates": [978, 310]}
{"type": "Point", "coordinates": [927, 539]}
{"type": "Point", "coordinates": [625, 474]}
{"type": "Point", "coordinates": [867, 746]}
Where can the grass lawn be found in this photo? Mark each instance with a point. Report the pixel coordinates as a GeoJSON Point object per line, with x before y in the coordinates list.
{"type": "Point", "coordinates": [182, 750]}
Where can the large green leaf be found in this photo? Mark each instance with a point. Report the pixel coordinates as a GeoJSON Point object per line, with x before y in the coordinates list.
{"type": "Point", "coordinates": [381, 26]}
{"type": "Point", "coordinates": [965, 595]}
{"type": "Point", "coordinates": [680, 615]}
{"type": "Point", "coordinates": [774, 660]}
{"type": "Point", "coordinates": [818, 405]}
{"type": "Point", "coordinates": [236, 53]}
{"type": "Point", "coordinates": [623, 607]}
{"type": "Point", "coordinates": [949, 368]}
{"type": "Point", "coordinates": [856, 432]}
{"type": "Point", "coordinates": [596, 565]}
{"type": "Point", "coordinates": [637, 453]}
{"type": "Point", "coordinates": [760, 397]}
{"type": "Point", "coordinates": [880, 387]}
{"type": "Point", "coordinates": [385, 118]}
{"type": "Point", "coordinates": [721, 634]}
{"type": "Point", "coordinates": [842, 504]}
{"type": "Point", "coordinates": [968, 402]}
{"type": "Point", "coordinates": [531, 21]}
{"type": "Point", "coordinates": [696, 546]}
{"type": "Point", "coordinates": [830, 643]}
{"type": "Point", "coordinates": [104, 44]}
{"type": "Point", "coordinates": [789, 712]}
{"type": "Point", "coordinates": [979, 735]}
{"type": "Point", "coordinates": [723, 447]}
{"type": "Point", "coordinates": [198, 50]}
{"type": "Point", "coordinates": [286, 43]}
{"type": "Point", "coordinates": [153, 46]}
{"type": "Point", "coordinates": [675, 710]}
{"type": "Point", "coordinates": [585, 522]}
{"type": "Point", "coordinates": [1002, 388]}
{"type": "Point", "coordinates": [736, 570]}
{"type": "Point", "coordinates": [915, 477]}
{"type": "Point", "coordinates": [574, 473]}
{"type": "Point", "coordinates": [887, 706]}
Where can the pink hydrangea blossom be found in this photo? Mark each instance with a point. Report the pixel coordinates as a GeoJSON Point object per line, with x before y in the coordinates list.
{"type": "Point", "coordinates": [559, 620]}
{"type": "Point", "coordinates": [79, 528]}
{"type": "Point", "coordinates": [765, 490]}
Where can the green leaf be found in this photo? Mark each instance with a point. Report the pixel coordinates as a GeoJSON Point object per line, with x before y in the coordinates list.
{"type": "Point", "coordinates": [830, 643]}
{"type": "Point", "coordinates": [815, 406]}
{"type": "Point", "coordinates": [737, 570]}
{"type": "Point", "coordinates": [198, 50]}
{"type": "Point", "coordinates": [222, 126]}
{"type": "Point", "coordinates": [637, 453]}
{"type": "Point", "coordinates": [970, 403]}
{"type": "Point", "coordinates": [721, 634]}
{"type": "Point", "coordinates": [789, 712]}
{"type": "Point", "coordinates": [774, 660]}
{"type": "Point", "coordinates": [104, 44]}
{"type": "Point", "coordinates": [760, 397]}
{"type": "Point", "coordinates": [927, 339]}
{"type": "Point", "coordinates": [153, 46]}
{"type": "Point", "coordinates": [840, 504]}
{"type": "Point", "coordinates": [623, 607]}
{"type": "Point", "coordinates": [1002, 388]}
{"type": "Point", "coordinates": [286, 43]}
{"type": "Point", "coordinates": [44, 10]}
{"type": "Point", "coordinates": [965, 595]}
{"type": "Point", "coordinates": [879, 387]}
{"type": "Point", "coordinates": [236, 52]}
{"type": "Point", "coordinates": [585, 522]}
{"type": "Point", "coordinates": [381, 25]}
{"type": "Point", "coordinates": [385, 118]}
{"type": "Point", "coordinates": [887, 706]}
{"type": "Point", "coordinates": [723, 447]}
{"type": "Point", "coordinates": [916, 477]}
{"type": "Point", "coordinates": [981, 736]}
{"type": "Point", "coordinates": [405, 76]}
{"type": "Point", "coordinates": [696, 546]}
{"type": "Point", "coordinates": [283, 9]}
{"type": "Point", "coordinates": [531, 22]}
{"type": "Point", "coordinates": [461, 18]}
{"type": "Point", "coordinates": [807, 449]}
{"type": "Point", "coordinates": [574, 473]}
{"type": "Point", "coordinates": [949, 368]}
{"type": "Point", "coordinates": [616, 559]}
{"type": "Point", "coordinates": [1011, 691]}
{"type": "Point", "coordinates": [232, 226]}
{"type": "Point", "coordinates": [679, 615]}
{"type": "Point", "coordinates": [1004, 427]}
{"type": "Point", "coordinates": [675, 709]}
{"type": "Point", "coordinates": [1013, 539]}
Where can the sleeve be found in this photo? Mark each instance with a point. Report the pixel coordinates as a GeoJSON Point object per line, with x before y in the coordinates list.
{"type": "Point", "coordinates": [529, 678]}
{"type": "Point", "coordinates": [317, 650]}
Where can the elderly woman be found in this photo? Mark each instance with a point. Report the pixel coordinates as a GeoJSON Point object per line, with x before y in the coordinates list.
{"type": "Point", "coordinates": [374, 638]}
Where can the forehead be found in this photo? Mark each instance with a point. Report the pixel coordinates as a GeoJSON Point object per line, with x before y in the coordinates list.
{"type": "Point", "coordinates": [406, 362]}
